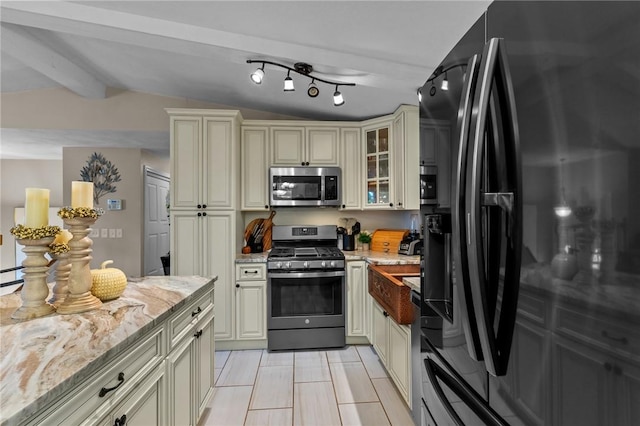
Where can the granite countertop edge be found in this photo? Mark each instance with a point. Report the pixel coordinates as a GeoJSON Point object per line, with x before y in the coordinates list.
{"type": "Point", "coordinates": [15, 414]}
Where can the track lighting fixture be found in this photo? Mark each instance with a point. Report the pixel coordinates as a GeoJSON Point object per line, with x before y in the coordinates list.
{"type": "Point", "coordinates": [303, 69]}
{"type": "Point", "coordinates": [444, 84]}
{"type": "Point", "coordinates": [337, 97]}
{"type": "Point", "coordinates": [288, 83]}
{"type": "Point", "coordinates": [313, 90]}
{"type": "Point", "coordinates": [257, 75]}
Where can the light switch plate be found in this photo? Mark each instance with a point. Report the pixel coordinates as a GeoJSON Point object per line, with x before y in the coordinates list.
{"type": "Point", "coordinates": [104, 233]}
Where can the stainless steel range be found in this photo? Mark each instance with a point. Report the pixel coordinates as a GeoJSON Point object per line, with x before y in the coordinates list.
{"type": "Point", "coordinates": [305, 288]}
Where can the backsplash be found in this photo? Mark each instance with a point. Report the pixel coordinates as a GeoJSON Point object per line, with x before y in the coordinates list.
{"type": "Point", "coordinates": [369, 220]}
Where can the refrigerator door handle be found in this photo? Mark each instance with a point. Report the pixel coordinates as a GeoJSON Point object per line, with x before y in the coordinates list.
{"type": "Point", "coordinates": [494, 106]}
{"type": "Point", "coordinates": [459, 219]}
{"type": "Point", "coordinates": [468, 396]}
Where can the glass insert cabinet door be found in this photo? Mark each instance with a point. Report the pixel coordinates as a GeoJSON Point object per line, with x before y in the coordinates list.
{"type": "Point", "coordinates": [377, 168]}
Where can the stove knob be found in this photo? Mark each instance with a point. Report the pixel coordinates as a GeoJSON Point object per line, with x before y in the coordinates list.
{"type": "Point", "coordinates": [323, 264]}
{"type": "Point", "coordinates": [279, 265]}
{"type": "Point", "coordinates": [288, 265]}
{"type": "Point", "coordinates": [332, 264]}
{"type": "Point", "coordinates": [306, 264]}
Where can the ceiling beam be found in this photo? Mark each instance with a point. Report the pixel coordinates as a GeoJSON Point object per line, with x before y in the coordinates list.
{"type": "Point", "coordinates": [23, 46]}
{"type": "Point", "coordinates": [136, 30]}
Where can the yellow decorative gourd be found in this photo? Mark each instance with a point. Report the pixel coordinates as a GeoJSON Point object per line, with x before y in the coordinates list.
{"type": "Point", "coordinates": [107, 283]}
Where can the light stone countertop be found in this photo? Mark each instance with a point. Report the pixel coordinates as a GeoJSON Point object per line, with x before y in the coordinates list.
{"type": "Point", "coordinates": [413, 282]}
{"type": "Point", "coordinates": [372, 257]}
{"type": "Point", "coordinates": [44, 358]}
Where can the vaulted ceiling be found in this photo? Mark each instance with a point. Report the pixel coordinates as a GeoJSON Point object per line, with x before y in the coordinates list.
{"type": "Point", "coordinates": [198, 50]}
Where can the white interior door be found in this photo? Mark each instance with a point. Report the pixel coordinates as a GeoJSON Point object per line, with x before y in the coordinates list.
{"type": "Point", "coordinates": [156, 220]}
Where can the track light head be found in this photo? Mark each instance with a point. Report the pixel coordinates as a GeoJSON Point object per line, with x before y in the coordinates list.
{"type": "Point", "coordinates": [337, 97]}
{"type": "Point", "coordinates": [445, 83]}
{"type": "Point", "coordinates": [288, 83]}
{"type": "Point", "coordinates": [258, 75]}
{"type": "Point", "coordinates": [313, 90]}
{"type": "Point", "coordinates": [419, 95]}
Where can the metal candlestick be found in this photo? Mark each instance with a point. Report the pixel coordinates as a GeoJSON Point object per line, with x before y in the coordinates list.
{"type": "Point", "coordinates": [79, 297]}
{"type": "Point", "coordinates": [35, 289]}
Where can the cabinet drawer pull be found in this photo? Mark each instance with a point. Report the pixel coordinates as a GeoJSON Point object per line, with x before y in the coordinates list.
{"type": "Point", "coordinates": [197, 334]}
{"type": "Point", "coordinates": [254, 272]}
{"type": "Point", "coordinates": [385, 313]}
{"type": "Point", "coordinates": [121, 421]}
{"type": "Point", "coordinates": [622, 340]}
{"type": "Point", "coordinates": [196, 312]}
{"type": "Point", "coordinates": [105, 391]}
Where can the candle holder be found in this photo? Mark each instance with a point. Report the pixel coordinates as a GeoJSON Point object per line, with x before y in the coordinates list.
{"type": "Point", "coordinates": [35, 289]}
{"type": "Point", "coordinates": [61, 288]}
{"type": "Point", "coordinates": [79, 297]}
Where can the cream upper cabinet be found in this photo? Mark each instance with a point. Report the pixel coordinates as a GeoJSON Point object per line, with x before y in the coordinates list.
{"type": "Point", "coordinates": [322, 147]}
{"type": "Point", "coordinates": [351, 165]}
{"type": "Point", "coordinates": [377, 166]}
{"type": "Point", "coordinates": [406, 146]}
{"type": "Point", "coordinates": [287, 146]}
{"type": "Point", "coordinates": [204, 154]}
{"type": "Point", "coordinates": [254, 153]}
{"type": "Point", "coordinates": [304, 146]}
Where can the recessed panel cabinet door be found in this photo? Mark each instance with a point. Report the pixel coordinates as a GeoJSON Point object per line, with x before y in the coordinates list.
{"type": "Point", "coordinates": [350, 165]}
{"type": "Point", "coordinates": [356, 298]}
{"type": "Point", "coordinates": [251, 308]}
{"type": "Point", "coordinates": [287, 146]}
{"type": "Point", "coordinates": [186, 160]}
{"type": "Point", "coordinates": [255, 168]}
{"type": "Point", "coordinates": [219, 148]}
{"type": "Point", "coordinates": [219, 260]}
{"type": "Point", "coordinates": [205, 376]}
{"type": "Point", "coordinates": [380, 332]}
{"type": "Point", "coordinates": [181, 370]}
{"type": "Point", "coordinates": [185, 240]}
{"type": "Point", "coordinates": [322, 147]}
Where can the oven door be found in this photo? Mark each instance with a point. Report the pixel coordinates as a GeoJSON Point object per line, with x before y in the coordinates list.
{"type": "Point", "coordinates": [299, 300]}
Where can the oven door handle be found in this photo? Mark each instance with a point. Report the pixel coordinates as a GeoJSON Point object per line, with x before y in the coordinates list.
{"type": "Point", "coordinates": [327, 274]}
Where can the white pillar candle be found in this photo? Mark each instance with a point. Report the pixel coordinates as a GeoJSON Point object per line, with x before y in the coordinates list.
{"type": "Point", "coordinates": [81, 194]}
{"type": "Point", "coordinates": [36, 207]}
{"type": "Point", "coordinates": [63, 237]}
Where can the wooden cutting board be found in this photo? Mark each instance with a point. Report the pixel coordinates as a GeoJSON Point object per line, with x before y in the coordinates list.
{"type": "Point", "coordinates": [388, 240]}
{"type": "Point", "coordinates": [256, 224]}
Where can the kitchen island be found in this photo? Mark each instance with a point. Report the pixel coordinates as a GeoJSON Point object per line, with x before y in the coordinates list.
{"type": "Point", "coordinates": [45, 362]}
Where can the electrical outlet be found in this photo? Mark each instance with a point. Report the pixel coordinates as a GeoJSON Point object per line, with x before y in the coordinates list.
{"type": "Point", "coordinates": [119, 233]}
{"type": "Point", "coordinates": [104, 233]}
{"type": "Point", "coordinates": [95, 233]}
{"type": "Point", "coordinates": [112, 233]}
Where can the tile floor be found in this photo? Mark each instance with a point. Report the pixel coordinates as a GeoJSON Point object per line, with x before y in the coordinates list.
{"type": "Point", "coordinates": [327, 388]}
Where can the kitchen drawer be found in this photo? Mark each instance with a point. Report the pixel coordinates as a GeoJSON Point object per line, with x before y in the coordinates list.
{"type": "Point", "coordinates": [603, 333]}
{"type": "Point", "coordinates": [251, 271]}
{"type": "Point", "coordinates": [86, 406]}
{"type": "Point", "coordinates": [183, 321]}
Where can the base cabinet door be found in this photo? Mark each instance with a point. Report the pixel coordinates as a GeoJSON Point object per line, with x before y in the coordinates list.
{"type": "Point", "coordinates": [356, 298]}
{"type": "Point", "coordinates": [380, 331]}
{"type": "Point", "coordinates": [251, 310]}
{"type": "Point", "coordinates": [399, 357]}
{"type": "Point", "coordinates": [181, 372]}
{"type": "Point", "coordinates": [145, 406]}
{"type": "Point", "coordinates": [205, 368]}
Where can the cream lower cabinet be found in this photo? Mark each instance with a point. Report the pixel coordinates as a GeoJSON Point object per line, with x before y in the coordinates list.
{"type": "Point", "coordinates": [392, 343]}
{"type": "Point", "coordinates": [251, 301]}
{"type": "Point", "coordinates": [144, 385]}
{"type": "Point", "coordinates": [357, 295]}
{"type": "Point", "coordinates": [204, 243]}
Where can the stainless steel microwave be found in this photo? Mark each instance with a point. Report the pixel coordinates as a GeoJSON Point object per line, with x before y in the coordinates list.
{"type": "Point", "coordinates": [305, 186]}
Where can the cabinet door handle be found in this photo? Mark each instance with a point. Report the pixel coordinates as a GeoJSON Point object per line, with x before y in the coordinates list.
{"type": "Point", "coordinates": [266, 206]}
{"type": "Point", "coordinates": [343, 206]}
{"type": "Point", "coordinates": [622, 340]}
{"type": "Point", "coordinates": [204, 213]}
{"type": "Point", "coordinates": [385, 313]}
{"type": "Point", "coordinates": [196, 312]}
{"type": "Point", "coordinates": [197, 334]}
{"type": "Point", "coordinates": [199, 206]}
{"type": "Point", "coordinates": [105, 391]}
{"type": "Point", "coordinates": [121, 421]}
{"type": "Point", "coordinates": [237, 285]}
{"type": "Point", "coordinates": [390, 204]}
{"type": "Point", "coordinates": [204, 206]}
{"type": "Point", "coordinates": [199, 214]}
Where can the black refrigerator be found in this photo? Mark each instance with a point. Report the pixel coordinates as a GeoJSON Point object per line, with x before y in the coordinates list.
{"type": "Point", "coordinates": [530, 189]}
